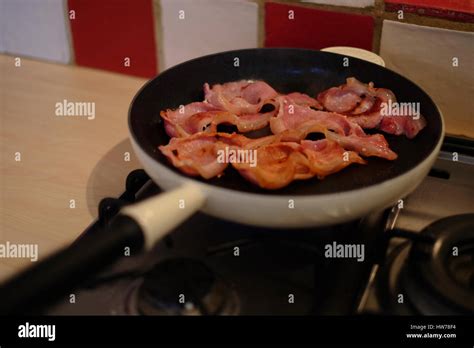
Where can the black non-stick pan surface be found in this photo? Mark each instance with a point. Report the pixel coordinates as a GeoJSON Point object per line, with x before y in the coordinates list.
{"type": "Point", "coordinates": [286, 70]}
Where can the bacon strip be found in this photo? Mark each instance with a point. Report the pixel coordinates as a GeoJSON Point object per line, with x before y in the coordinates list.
{"type": "Point", "coordinates": [235, 103]}
{"type": "Point", "coordinates": [340, 113]}
{"type": "Point", "coordinates": [337, 127]}
{"type": "Point", "coordinates": [242, 97]}
{"type": "Point", "coordinates": [175, 119]}
{"type": "Point", "coordinates": [209, 120]}
{"type": "Point", "coordinates": [195, 155]}
{"type": "Point", "coordinates": [399, 125]}
{"type": "Point", "coordinates": [304, 100]}
{"type": "Point", "coordinates": [277, 165]}
{"type": "Point", "coordinates": [279, 162]}
{"type": "Point", "coordinates": [336, 99]}
{"type": "Point", "coordinates": [327, 157]}
{"type": "Point", "coordinates": [362, 103]}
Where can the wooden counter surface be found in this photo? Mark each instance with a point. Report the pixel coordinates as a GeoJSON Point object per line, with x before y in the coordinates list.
{"type": "Point", "coordinates": [62, 158]}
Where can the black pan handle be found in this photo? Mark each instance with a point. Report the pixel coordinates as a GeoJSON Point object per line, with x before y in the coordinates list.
{"type": "Point", "coordinates": [36, 287]}
{"type": "Point", "coordinates": [137, 226]}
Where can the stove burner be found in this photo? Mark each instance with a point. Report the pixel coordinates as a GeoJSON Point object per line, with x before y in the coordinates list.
{"type": "Point", "coordinates": [184, 286]}
{"type": "Point", "coordinates": [437, 274]}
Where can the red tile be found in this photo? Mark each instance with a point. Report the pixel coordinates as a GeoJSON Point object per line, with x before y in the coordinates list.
{"type": "Point", "coordinates": [106, 32]}
{"type": "Point", "coordinates": [315, 29]}
{"type": "Point", "coordinates": [459, 10]}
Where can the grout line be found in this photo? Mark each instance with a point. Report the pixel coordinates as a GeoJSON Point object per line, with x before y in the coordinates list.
{"type": "Point", "coordinates": [158, 34]}
{"type": "Point", "coordinates": [333, 8]}
{"type": "Point", "coordinates": [72, 53]}
{"type": "Point", "coordinates": [377, 35]}
{"type": "Point", "coordinates": [433, 22]}
{"type": "Point", "coordinates": [378, 12]}
{"type": "Point", "coordinates": [261, 23]}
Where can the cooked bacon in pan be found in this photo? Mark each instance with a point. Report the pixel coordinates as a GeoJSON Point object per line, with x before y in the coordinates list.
{"type": "Point", "coordinates": [365, 105]}
{"type": "Point", "coordinates": [240, 98]}
{"type": "Point", "coordinates": [340, 128]}
{"type": "Point", "coordinates": [340, 114]}
{"type": "Point", "coordinates": [279, 162]}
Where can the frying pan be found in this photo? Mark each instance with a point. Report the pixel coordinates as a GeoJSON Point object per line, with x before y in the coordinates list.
{"type": "Point", "coordinates": [343, 196]}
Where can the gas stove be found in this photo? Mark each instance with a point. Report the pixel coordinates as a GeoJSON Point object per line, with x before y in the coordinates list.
{"type": "Point", "coordinates": [415, 258]}
{"type": "Point", "coordinates": [428, 268]}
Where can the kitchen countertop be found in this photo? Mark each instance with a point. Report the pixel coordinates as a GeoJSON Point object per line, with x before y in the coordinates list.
{"type": "Point", "coordinates": [62, 158]}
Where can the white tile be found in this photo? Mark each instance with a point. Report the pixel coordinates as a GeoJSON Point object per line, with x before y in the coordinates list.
{"type": "Point", "coordinates": [34, 28]}
{"type": "Point", "coordinates": [425, 55]}
{"type": "Point", "coordinates": [349, 3]}
{"type": "Point", "coordinates": [208, 26]}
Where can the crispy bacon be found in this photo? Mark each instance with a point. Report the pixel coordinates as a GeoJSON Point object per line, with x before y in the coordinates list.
{"type": "Point", "coordinates": [368, 146]}
{"type": "Point", "coordinates": [353, 97]}
{"type": "Point", "coordinates": [208, 121]}
{"type": "Point", "coordinates": [282, 162]}
{"type": "Point", "coordinates": [293, 116]}
{"type": "Point", "coordinates": [277, 165]}
{"type": "Point", "coordinates": [337, 127]}
{"type": "Point", "coordinates": [339, 113]}
{"type": "Point", "coordinates": [399, 125]}
{"type": "Point", "coordinates": [279, 162]}
{"type": "Point", "coordinates": [337, 99]}
{"type": "Point", "coordinates": [304, 100]}
{"type": "Point", "coordinates": [235, 103]}
{"type": "Point", "coordinates": [197, 154]}
{"type": "Point", "coordinates": [242, 97]}
{"type": "Point", "coordinates": [371, 117]}
{"type": "Point", "coordinates": [362, 103]}
{"type": "Point", "coordinates": [327, 157]}
{"type": "Point", "coordinates": [175, 119]}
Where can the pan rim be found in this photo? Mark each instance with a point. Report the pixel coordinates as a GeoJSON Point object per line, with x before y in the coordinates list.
{"type": "Point", "coordinates": [183, 178]}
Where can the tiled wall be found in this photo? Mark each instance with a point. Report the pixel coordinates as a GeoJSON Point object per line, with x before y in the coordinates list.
{"type": "Point", "coordinates": [143, 37]}
{"type": "Point", "coordinates": [422, 39]}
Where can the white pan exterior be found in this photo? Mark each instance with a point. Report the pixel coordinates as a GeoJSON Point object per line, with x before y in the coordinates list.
{"type": "Point", "coordinates": [273, 210]}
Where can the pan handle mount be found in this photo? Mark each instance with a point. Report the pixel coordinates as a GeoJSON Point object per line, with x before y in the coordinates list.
{"type": "Point", "coordinates": [159, 215]}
